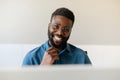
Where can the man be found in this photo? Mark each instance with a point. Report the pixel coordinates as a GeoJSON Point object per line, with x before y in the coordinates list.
{"type": "Point", "coordinates": [56, 50]}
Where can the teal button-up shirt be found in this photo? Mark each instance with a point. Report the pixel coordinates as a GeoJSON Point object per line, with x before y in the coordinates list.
{"type": "Point", "coordinates": [70, 55]}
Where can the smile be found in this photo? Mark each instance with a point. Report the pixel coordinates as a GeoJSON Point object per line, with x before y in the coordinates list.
{"type": "Point", "coordinates": [58, 39]}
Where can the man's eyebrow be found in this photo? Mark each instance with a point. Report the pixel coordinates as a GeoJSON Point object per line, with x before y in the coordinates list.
{"type": "Point", "coordinates": [56, 23]}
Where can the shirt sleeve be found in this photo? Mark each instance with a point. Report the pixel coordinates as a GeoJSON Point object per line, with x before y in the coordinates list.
{"type": "Point", "coordinates": [27, 60]}
{"type": "Point", "coordinates": [87, 60]}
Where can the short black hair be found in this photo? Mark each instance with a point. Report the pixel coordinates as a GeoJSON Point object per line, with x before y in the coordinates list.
{"type": "Point", "coordinates": [64, 12]}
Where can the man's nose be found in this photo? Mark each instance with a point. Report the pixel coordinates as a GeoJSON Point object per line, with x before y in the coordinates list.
{"type": "Point", "coordinates": [60, 31]}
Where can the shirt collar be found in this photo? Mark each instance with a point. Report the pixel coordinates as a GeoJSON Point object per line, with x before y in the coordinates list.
{"type": "Point", "coordinates": [67, 49]}
{"type": "Point", "coordinates": [46, 45]}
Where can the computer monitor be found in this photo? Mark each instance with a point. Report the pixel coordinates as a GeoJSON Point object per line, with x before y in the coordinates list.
{"type": "Point", "coordinates": [64, 72]}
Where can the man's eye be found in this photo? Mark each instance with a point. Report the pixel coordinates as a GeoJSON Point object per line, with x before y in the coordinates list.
{"type": "Point", "coordinates": [55, 26]}
{"type": "Point", "coordinates": [66, 29]}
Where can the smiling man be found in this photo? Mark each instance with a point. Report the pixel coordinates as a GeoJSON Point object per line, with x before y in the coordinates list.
{"type": "Point", "coordinates": [56, 50]}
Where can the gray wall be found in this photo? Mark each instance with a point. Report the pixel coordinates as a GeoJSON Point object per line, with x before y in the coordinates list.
{"type": "Point", "coordinates": [26, 21]}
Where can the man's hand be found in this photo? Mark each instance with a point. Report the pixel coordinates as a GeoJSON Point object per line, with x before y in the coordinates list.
{"type": "Point", "coordinates": [50, 56]}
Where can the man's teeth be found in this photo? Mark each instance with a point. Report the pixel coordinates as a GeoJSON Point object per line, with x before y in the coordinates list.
{"type": "Point", "coordinates": [57, 38]}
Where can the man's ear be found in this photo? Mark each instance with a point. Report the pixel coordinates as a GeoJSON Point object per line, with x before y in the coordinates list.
{"type": "Point", "coordinates": [49, 25]}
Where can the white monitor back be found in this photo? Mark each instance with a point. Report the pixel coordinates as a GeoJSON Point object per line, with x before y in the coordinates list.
{"type": "Point", "coordinates": [70, 72]}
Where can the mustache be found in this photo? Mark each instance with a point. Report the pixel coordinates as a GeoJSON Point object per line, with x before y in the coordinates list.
{"type": "Point", "coordinates": [60, 36]}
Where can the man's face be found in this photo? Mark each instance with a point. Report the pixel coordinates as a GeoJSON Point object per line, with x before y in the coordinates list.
{"type": "Point", "coordinates": [59, 31]}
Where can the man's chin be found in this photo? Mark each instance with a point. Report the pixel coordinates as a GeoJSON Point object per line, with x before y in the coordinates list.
{"type": "Point", "coordinates": [60, 45]}
{"type": "Point", "coordinates": [57, 45]}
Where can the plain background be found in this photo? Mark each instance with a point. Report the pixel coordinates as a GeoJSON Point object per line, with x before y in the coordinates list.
{"type": "Point", "coordinates": [26, 21]}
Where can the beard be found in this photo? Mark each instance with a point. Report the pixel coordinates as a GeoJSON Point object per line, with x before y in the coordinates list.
{"type": "Point", "coordinates": [63, 43]}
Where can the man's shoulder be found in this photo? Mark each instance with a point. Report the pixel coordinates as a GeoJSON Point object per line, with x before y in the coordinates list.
{"type": "Point", "coordinates": [73, 47]}
{"type": "Point", "coordinates": [37, 50]}
{"type": "Point", "coordinates": [76, 50]}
